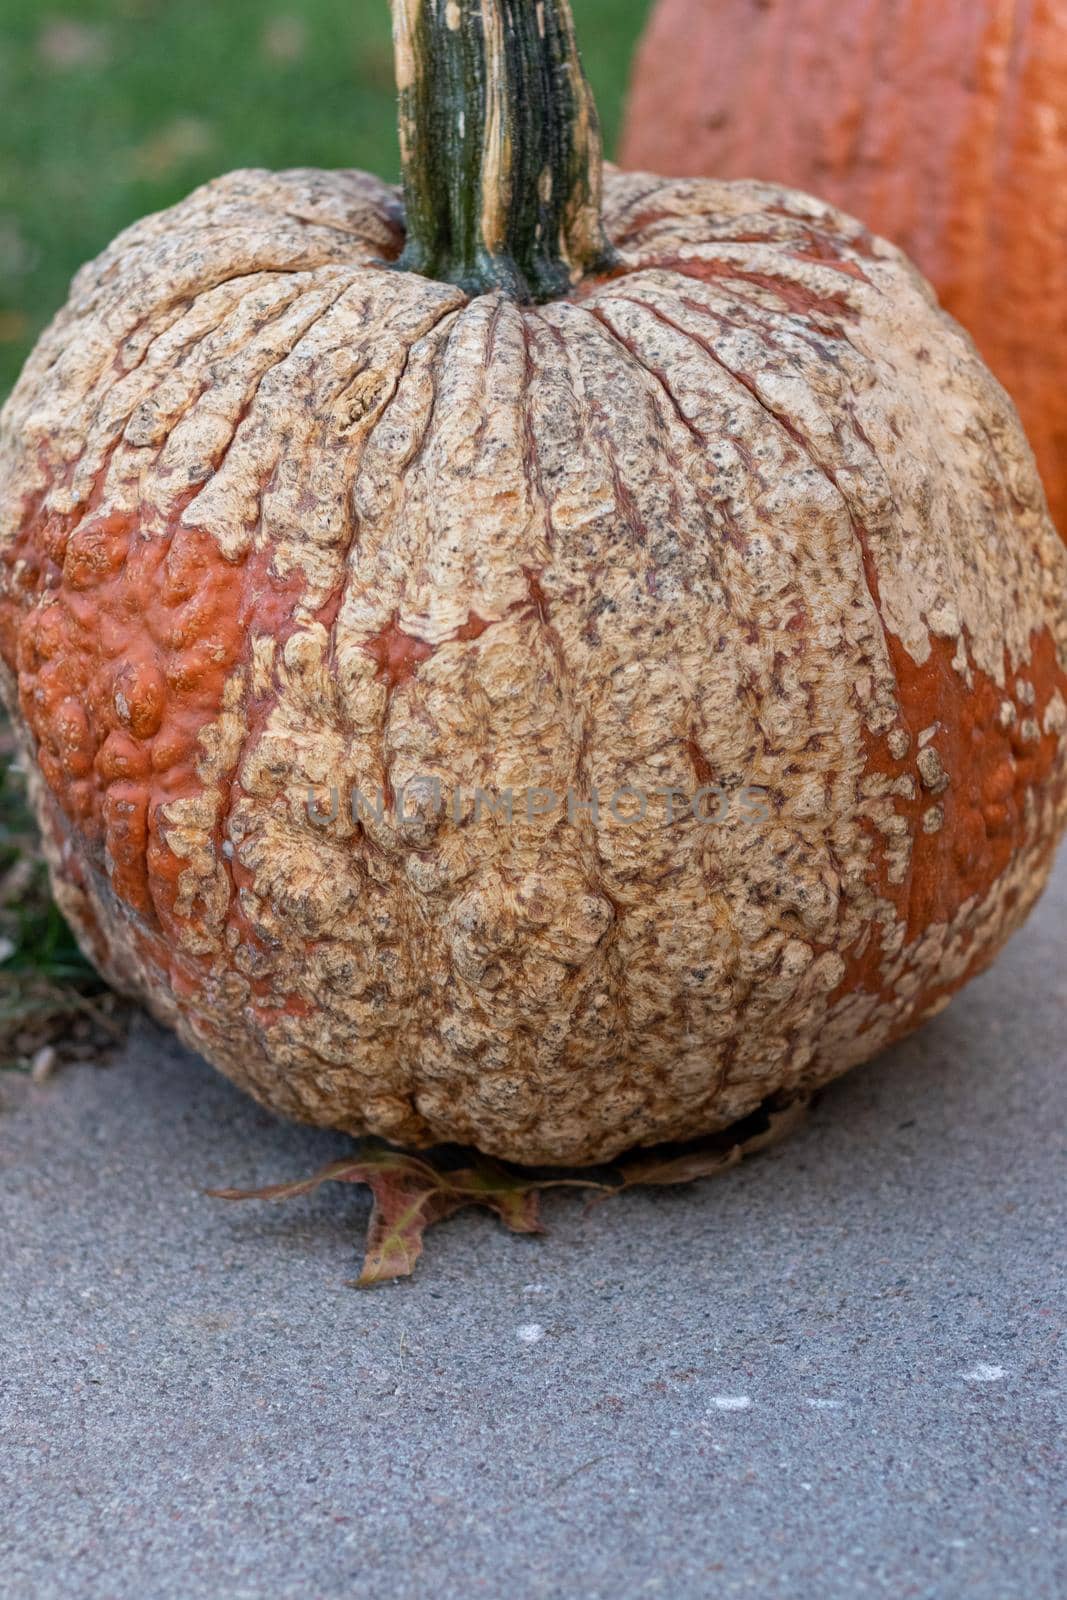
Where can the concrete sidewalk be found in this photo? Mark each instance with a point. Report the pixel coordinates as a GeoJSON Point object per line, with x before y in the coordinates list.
{"type": "Point", "coordinates": [830, 1373]}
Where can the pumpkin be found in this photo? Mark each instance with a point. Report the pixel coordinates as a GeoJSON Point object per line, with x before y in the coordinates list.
{"type": "Point", "coordinates": [544, 661]}
{"type": "Point", "coordinates": [941, 125]}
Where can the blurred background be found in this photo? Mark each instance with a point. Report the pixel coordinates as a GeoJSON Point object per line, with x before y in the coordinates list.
{"type": "Point", "coordinates": [113, 108]}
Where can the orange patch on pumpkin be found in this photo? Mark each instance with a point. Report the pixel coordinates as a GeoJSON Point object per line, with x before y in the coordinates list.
{"type": "Point", "coordinates": [993, 746]}
{"type": "Point", "coordinates": [397, 653]}
{"type": "Point", "coordinates": [995, 751]}
{"type": "Point", "coordinates": [473, 628]}
{"type": "Point", "coordinates": [123, 646]}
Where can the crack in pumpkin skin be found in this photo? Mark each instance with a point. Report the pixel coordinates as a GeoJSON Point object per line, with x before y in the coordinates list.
{"type": "Point", "coordinates": [798, 298]}
{"type": "Point", "coordinates": [702, 524]}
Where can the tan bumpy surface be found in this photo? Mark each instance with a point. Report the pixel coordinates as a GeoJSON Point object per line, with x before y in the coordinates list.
{"type": "Point", "coordinates": [747, 517]}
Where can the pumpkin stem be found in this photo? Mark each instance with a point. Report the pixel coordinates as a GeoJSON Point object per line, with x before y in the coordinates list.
{"type": "Point", "coordinates": [500, 147]}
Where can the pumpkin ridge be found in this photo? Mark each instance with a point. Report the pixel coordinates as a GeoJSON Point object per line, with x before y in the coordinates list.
{"type": "Point", "coordinates": [798, 317]}
{"type": "Point", "coordinates": [531, 458]}
{"type": "Point", "coordinates": [597, 311]}
{"type": "Point", "coordinates": [186, 512]}
{"type": "Point", "coordinates": [425, 333]}
{"type": "Point", "coordinates": [744, 381]}
{"type": "Point", "coordinates": [817, 338]}
{"type": "Point", "coordinates": [255, 382]}
{"type": "Point", "coordinates": [440, 355]}
{"type": "Point", "coordinates": [182, 309]}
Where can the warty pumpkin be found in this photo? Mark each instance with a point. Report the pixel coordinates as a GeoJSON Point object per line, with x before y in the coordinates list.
{"type": "Point", "coordinates": [334, 522]}
{"type": "Point", "coordinates": [941, 123]}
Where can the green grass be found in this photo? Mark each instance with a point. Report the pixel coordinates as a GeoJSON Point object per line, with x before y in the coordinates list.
{"type": "Point", "coordinates": [113, 108]}
{"type": "Point", "coordinates": [49, 994]}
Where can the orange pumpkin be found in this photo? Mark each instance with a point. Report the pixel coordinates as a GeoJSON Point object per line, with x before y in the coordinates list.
{"type": "Point", "coordinates": [941, 123]}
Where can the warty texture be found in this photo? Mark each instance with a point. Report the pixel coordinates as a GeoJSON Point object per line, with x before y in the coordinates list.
{"type": "Point", "coordinates": [748, 514]}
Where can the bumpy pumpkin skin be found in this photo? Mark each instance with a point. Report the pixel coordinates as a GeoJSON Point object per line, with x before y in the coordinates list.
{"type": "Point", "coordinates": [939, 122]}
{"type": "Point", "coordinates": [750, 511]}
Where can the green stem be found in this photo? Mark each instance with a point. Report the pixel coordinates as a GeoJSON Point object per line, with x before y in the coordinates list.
{"type": "Point", "coordinates": [500, 147]}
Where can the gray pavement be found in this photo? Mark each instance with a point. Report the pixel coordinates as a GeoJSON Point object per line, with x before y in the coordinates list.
{"type": "Point", "coordinates": [829, 1373]}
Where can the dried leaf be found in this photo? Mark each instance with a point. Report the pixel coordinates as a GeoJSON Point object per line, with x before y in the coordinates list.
{"type": "Point", "coordinates": [410, 1193]}
{"type": "Point", "coordinates": [705, 1158]}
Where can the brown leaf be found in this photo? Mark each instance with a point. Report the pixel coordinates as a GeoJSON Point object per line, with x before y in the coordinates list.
{"type": "Point", "coordinates": [705, 1158]}
{"type": "Point", "coordinates": [410, 1193]}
